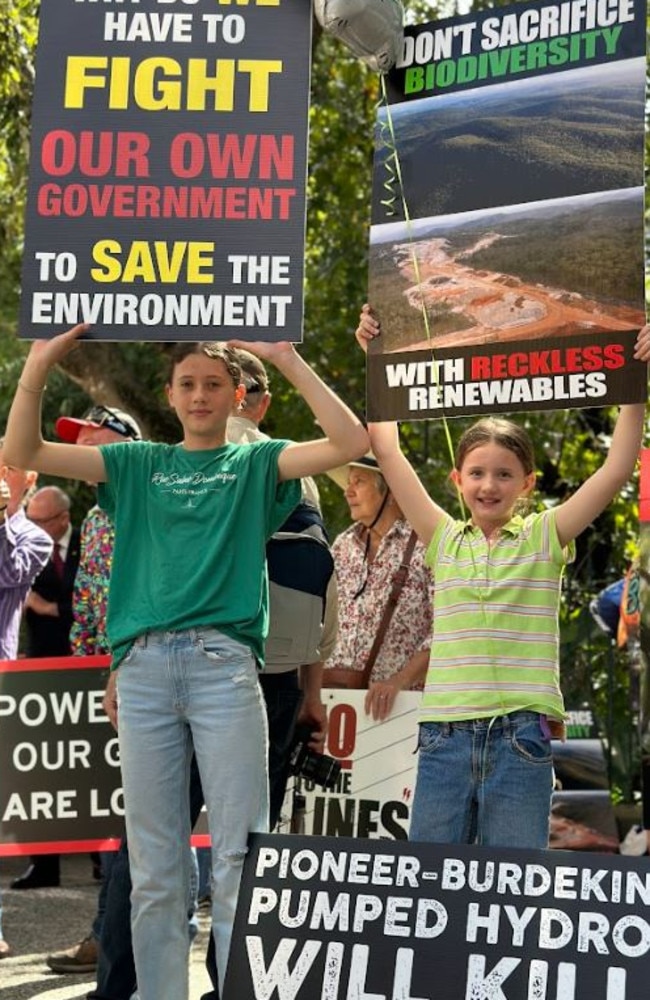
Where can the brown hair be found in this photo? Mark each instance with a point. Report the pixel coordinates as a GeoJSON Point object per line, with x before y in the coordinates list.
{"type": "Point", "coordinates": [502, 432]}
{"type": "Point", "coordinates": [212, 349]}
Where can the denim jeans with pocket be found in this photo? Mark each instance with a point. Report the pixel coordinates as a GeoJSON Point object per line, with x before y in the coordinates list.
{"type": "Point", "coordinates": [180, 692]}
{"type": "Point", "coordinates": [484, 781]}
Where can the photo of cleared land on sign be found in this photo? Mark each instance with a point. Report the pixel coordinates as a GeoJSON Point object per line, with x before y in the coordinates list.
{"type": "Point", "coordinates": [545, 269]}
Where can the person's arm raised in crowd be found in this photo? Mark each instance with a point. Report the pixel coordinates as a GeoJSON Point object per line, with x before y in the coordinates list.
{"type": "Point", "coordinates": [345, 437]}
{"type": "Point", "coordinates": [576, 513]}
{"type": "Point", "coordinates": [24, 547]}
{"type": "Point", "coordinates": [422, 513]}
{"type": "Point", "coordinates": [24, 445]}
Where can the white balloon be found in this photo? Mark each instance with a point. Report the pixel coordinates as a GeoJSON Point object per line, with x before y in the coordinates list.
{"type": "Point", "coordinates": [372, 29]}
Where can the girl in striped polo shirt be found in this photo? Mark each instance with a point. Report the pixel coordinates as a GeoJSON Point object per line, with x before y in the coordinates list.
{"type": "Point", "coordinates": [492, 698]}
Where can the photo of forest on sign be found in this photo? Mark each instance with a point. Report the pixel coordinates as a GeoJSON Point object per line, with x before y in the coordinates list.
{"type": "Point", "coordinates": [545, 137]}
{"type": "Point", "coordinates": [525, 211]}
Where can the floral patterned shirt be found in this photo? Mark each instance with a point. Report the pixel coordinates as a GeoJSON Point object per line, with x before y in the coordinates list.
{"type": "Point", "coordinates": [90, 599]}
{"type": "Point", "coordinates": [410, 627]}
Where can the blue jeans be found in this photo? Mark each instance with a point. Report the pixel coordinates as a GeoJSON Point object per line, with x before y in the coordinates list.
{"type": "Point", "coordinates": [107, 859]}
{"type": "Point", "coordinates": [115, 967]}
{"type": "Point", "coordinates": [282, 697]}
{"type": "Point", "coordinates": [179, 692]}
{"type": "Point", "coordinates": [485, 781]}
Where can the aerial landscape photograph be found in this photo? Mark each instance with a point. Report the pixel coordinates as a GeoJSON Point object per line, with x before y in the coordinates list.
{"type": "Point", "coordinates": [525, 212]}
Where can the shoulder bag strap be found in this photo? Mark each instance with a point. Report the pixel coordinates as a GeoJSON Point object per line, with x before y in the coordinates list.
{"type": "Point", "coordinates": [393, 597]}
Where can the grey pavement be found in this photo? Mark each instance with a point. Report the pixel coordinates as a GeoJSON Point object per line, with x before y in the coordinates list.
{"type": "Point", "coordinates": [37, 922]}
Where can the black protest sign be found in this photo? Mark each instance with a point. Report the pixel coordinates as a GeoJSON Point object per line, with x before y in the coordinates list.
{"type": "Point", "coordinates": [506, 247]}
{"type": "Point", "coordinates": [167, 182]}
{"type": "Point", "coordinates": [60, 780]}
{"type": "Point", "coordinates": [337, 919]}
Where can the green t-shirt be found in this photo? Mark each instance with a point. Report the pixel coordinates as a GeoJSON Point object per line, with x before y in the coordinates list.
{"type": "Point", "coordinates": [190, 536]}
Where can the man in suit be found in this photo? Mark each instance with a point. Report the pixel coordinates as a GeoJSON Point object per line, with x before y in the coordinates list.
{"type": "Point", "coordinates": [48, 608]}
{"type": "Point", "coordinates": [48, 619]}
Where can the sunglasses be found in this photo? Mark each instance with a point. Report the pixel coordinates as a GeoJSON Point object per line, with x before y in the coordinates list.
{"type": "Point", "coordinates": [103, 416]}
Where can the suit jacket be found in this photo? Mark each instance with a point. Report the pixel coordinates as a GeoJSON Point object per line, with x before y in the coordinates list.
{"type": "Point", "coordinates": [46, 635]}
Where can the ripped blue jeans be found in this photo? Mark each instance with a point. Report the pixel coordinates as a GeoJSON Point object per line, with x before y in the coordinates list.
{"type": "Point", "coordinates": [178, 692]}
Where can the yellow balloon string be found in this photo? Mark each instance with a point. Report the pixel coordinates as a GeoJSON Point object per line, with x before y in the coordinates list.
{"type": "Point", "coordinates": [395, 173]}
{"type": "Point", "coordinates": [394, 168]}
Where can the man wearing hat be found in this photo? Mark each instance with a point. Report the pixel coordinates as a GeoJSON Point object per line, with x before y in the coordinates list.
{"type": "Point", "coordinates": [101, 425]}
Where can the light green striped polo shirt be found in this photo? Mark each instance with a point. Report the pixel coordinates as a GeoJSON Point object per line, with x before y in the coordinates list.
{"type": "Point", "coordinates": [495, 643]}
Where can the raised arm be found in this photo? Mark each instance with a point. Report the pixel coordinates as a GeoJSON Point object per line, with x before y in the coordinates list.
{"type": "Point", "coordinates": [345, 437]}
{"type": "Point", "coordinates": [577, 513]}
{"type": "Point", "coordinates": [24, 446]}
{"type": "Point", "coordinates": [24, 550]}
{"type": "Point", "coordinates": [422, 513]}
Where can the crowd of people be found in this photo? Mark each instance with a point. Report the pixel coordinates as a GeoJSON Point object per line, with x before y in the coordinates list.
{"type": "Point", "coordinates": [172, 583]}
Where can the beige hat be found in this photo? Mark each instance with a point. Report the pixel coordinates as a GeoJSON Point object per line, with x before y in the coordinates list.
{"type": "Point", "coordinates": [341, 474]}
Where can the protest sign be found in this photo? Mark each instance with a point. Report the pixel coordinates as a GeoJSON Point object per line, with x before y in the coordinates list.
{"type": "Point", "coordinates": [334, 918]}
{"type": "Point", "coordinates": [506, 248]}
{"type": "Point", "coordinates": [373, 793]}
{"type": "Point", "coordinates": [166, 195]}
{"type": "Point", "coordinates": [60, 781]}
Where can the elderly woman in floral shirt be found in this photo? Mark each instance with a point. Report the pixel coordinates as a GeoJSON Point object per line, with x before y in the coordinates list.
{"type": "Point", "coordinates": [367, 556]}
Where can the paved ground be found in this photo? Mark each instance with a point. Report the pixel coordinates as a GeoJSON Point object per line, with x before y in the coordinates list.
{"type": "Point", "coordinates": [37, 922]}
